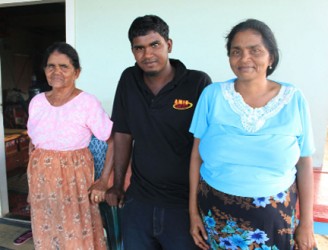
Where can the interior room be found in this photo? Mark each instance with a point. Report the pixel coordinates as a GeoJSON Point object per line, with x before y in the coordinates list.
{"type": "Point", "coordinates": [25, 32]}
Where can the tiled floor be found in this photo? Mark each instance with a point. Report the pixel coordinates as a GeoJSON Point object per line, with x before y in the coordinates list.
{"type": "Point", "coordinates": [9, 231]}
{"type": "Point", "coordinates": [322, 242]}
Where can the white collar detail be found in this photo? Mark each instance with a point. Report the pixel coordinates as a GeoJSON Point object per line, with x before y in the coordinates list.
{"type": "Point", "coordinates": [253, 119]}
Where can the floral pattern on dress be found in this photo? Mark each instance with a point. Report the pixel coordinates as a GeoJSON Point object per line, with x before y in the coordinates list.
{"type": "Point", "coordinates": [235, 237]}
{"type": "Point", "coordinates": [228, 232]}
{"type": "Point", "coordinates": [62, 216]}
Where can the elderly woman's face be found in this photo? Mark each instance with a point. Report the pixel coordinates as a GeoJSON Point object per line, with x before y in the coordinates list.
{"type": "Point", "coordinates": [59, 71]}
{"type": "Point", "coordinates": [249, 58]}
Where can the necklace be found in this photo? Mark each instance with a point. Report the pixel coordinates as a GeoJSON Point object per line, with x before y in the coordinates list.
{"type": "Point", "coordinates": [56, 100]}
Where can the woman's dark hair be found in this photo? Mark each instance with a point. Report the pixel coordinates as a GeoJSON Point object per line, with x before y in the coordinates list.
{"type": "Point", "coordinates": [141, 26]}
{"type": "Point", "coordinates": [62, 48]}
{"type": "Point", "coordinates": [268, 38]}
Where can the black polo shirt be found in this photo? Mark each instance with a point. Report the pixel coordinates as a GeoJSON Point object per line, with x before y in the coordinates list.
{"type": "Point", "coordinates": [159, 126]}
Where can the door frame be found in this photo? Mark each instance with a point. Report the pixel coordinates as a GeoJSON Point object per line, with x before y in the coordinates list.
{"type": "Point", "coordinates": [4, 204]}
{"type": "Point", "coordinates": [70, 38]}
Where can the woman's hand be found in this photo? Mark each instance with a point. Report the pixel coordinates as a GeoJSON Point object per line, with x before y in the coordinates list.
{"type": "Point", "coordinates": [97, 191]}
{"type": "Point", "coordinates": [304, 237]}
{"type": "Point", "coordinates": [197, 229]}
{"type": "Point", "coordinates": [198, 232]}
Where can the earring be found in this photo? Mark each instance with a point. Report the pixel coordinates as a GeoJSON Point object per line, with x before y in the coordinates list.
{"type": "Point", "coordinates": [270, 67]}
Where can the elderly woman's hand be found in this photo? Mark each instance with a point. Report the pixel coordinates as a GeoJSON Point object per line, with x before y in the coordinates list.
{"type": "Point", "coordinates": [97, 191]}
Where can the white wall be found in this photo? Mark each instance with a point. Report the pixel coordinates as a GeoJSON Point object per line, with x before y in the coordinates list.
{"type": "Point", "coordinates": [198, 29]}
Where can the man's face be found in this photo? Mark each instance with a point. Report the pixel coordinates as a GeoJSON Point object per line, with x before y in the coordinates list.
{"type": "Point", "coordinates": [151, 52]}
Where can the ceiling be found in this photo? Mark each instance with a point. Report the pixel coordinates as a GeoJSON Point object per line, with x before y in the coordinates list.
{"type": "Point", "coordinates": [40, 18]}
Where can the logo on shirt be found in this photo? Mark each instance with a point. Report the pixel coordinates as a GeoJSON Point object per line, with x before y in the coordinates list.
{"type": "Point", "coordinates": [182, 104]}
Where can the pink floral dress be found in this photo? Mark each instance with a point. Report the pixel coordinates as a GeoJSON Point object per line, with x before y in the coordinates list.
{"type": "Point", "coordinates": [61, 170]}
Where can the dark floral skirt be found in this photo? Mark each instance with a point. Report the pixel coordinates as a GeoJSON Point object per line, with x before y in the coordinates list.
{"type": "Point", "coordinates": [235, 222]}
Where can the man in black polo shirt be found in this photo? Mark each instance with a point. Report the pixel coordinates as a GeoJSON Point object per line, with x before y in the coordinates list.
{"type": "Point", "coordinates": [152, 111]}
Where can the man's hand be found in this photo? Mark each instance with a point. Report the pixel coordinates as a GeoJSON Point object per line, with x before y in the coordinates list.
{"type": "Point", "coordinates": [115, 197]}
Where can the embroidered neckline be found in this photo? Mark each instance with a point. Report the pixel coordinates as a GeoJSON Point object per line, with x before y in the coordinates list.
{"type": "Point", "coordinates": [253, 119]}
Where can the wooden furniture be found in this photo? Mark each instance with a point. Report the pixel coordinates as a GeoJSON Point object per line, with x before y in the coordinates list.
{"type": "Point", "coordinates": [16, 147]}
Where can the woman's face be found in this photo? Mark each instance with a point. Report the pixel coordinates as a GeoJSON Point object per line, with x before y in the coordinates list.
{"type": "Point", "coordinates": [60, 72]}
{"type": "Point", "coordinates": [249, 58]}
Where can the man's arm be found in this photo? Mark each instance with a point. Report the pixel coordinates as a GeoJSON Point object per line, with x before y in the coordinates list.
{"type": "Point", "coordinates": [122, 155]}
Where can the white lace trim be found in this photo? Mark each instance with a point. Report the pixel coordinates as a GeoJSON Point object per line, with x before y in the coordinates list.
{"type": "Point", "coordinates": [253, 119]}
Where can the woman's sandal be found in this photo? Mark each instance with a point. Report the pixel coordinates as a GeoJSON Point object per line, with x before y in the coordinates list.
{"type": "Point", "coordinates": [23, 238]}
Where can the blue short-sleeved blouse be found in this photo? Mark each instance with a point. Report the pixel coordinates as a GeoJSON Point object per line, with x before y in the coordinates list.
{"type": "Point", "coordinates": [251, 152]}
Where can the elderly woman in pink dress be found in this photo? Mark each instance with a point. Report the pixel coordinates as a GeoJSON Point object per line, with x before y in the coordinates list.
{"type": "Point", "coordinates": [60, 170]}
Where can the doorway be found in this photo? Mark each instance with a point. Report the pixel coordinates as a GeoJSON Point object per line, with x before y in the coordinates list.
{"type": "Point", "coordinates": [25, 32]}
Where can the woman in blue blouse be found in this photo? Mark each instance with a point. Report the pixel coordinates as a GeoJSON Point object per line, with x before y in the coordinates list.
{"type": "Point", "coordinates": [251, 157]}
